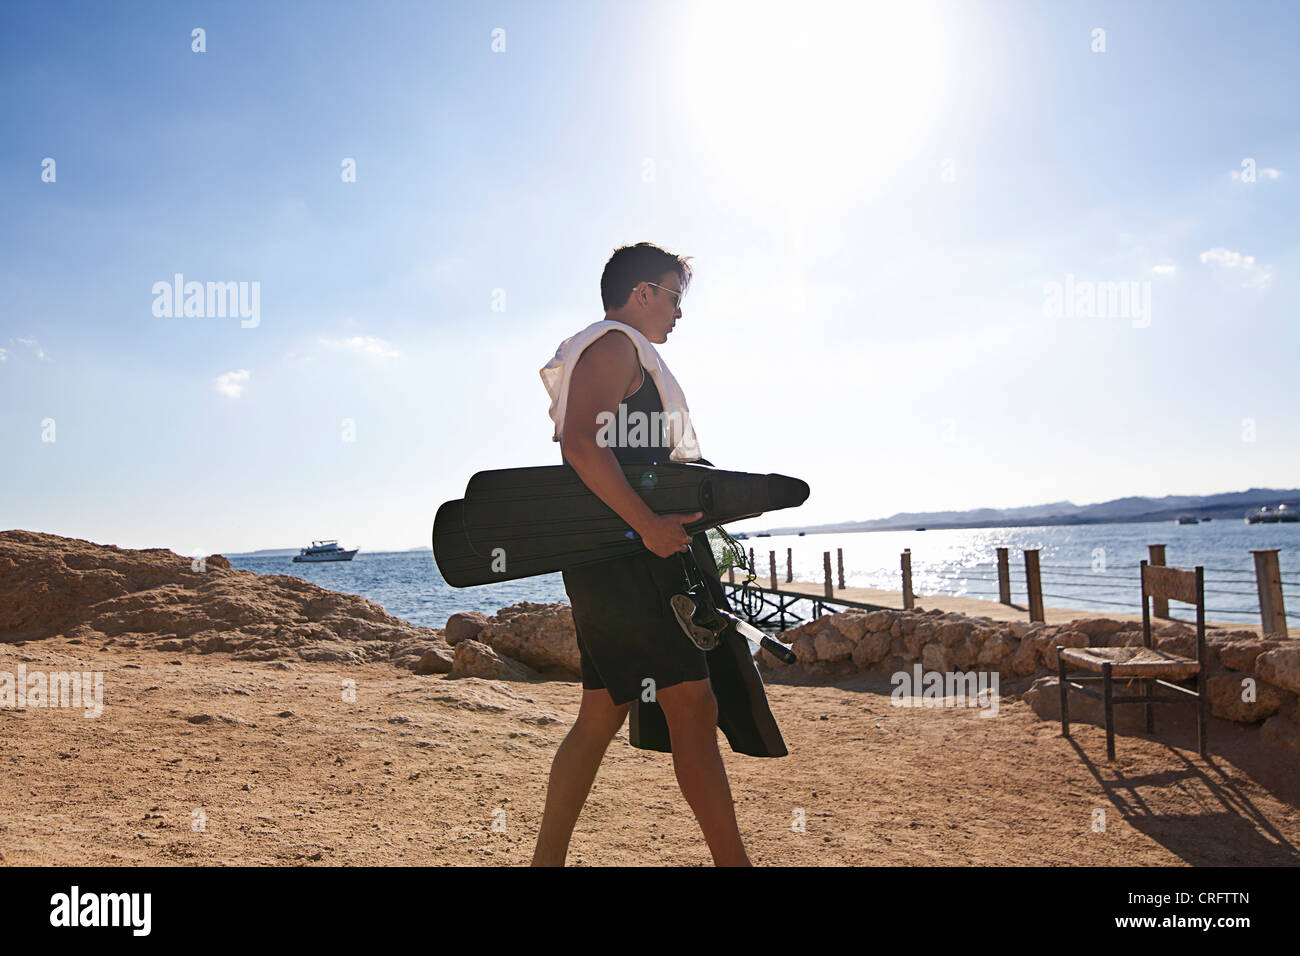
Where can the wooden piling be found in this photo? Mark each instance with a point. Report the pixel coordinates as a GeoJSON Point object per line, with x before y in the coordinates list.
{"type": "Point", "coordinates": [839, 557]}
{"type": "Point", "coordinates": [1034, 584]}
{"type": "Point", "coordinates": [771, 560]}
{"type": "Point", "coordinates": [789, 564]}
{"type": "Point", "coordinates": [1268, 581]}
{"type": "Point", "coordinates": [1004, 576]}
{"type": "Point", "coordinates": [826, 568]}
{"type": "Point", "coordinates": [909, 599]}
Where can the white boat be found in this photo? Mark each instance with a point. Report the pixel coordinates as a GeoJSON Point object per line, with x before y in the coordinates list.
{"type": "Point", "coordinates": [323, 551]}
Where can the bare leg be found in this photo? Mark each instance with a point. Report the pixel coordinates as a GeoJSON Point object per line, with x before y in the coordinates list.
{"type": "Point", "coordinates": [573, 771]}
{"type": "Point", "coordinates": [692, 714]}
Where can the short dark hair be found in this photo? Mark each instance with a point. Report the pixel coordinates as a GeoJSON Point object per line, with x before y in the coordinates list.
{"type": "Point", "coordinates": [643, 262]}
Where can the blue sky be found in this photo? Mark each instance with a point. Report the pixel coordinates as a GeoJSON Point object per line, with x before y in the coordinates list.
{"type": "Point", "coordinates": [877, 200]}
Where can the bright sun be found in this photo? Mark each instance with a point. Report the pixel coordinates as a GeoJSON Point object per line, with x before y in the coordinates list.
{"type": "Point", "coordinates": [809, 104]}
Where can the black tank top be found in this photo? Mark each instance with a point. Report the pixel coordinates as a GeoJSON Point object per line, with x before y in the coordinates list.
{"type": "Point", "coordinates": [636, 435]}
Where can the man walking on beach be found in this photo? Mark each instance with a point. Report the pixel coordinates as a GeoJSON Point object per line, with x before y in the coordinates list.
{"type": "Point", "coordinates": [629, 641]}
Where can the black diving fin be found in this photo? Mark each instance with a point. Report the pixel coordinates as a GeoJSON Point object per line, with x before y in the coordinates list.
{"type": "Point", "coordinates": [519, 522]}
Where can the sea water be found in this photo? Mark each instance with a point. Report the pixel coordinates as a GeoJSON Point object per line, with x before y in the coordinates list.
{"type": "Point", "coordinates": [1091, 567]}
{"type": "Point", "coordinates": [1088, 567]}
{"type": "Point", "coordinates": [407, 584]}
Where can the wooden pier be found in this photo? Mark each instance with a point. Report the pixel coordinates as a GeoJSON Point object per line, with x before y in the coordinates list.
{"type": "Point", "coordinates": [770, 602]}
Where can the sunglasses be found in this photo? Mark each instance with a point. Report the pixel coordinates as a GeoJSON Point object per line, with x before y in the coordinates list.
{"type": "Point", "coordinates": [673, 291]}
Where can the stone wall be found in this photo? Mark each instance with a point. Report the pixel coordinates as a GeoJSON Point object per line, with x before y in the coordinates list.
{"type": "Point", "coordinates": [849, 642]}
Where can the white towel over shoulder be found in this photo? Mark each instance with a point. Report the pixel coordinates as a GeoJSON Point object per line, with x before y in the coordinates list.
{"type": "Point", "coordinates": [558, 372]}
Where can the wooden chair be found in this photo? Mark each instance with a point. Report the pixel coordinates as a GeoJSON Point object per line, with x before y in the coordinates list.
{"type": "Point", "coordinates": [1145, 664]}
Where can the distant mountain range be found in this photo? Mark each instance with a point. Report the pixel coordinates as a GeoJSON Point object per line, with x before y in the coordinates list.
{"type": "Point", "coordinates": [1231, 505]}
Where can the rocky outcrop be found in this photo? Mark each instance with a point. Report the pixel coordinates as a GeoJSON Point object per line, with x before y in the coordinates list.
{"type": "Point", "coordinates": [473, 659]}
{"type": "Point", "coordinates": [159, 600]}
{"type": "Point", "coordinates": [1280, 666]}
{"type": "Point", "coordinates": [156, 599]}
{"type": "Point", "coordinates": [1282, 733]}
{"type": "Point", "coordinates": [1243, 698]}
{"type": "Point", "coordinates": [464, 626]}
{"type": "Point", "coordinates": [541, 636]}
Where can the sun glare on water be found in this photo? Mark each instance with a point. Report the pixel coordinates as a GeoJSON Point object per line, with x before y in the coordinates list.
{"type": "Point", "coordinates": [809, 104]}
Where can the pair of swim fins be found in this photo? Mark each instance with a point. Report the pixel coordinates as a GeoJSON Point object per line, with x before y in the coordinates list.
{"type": "Point", "coordinates": [519, 522]}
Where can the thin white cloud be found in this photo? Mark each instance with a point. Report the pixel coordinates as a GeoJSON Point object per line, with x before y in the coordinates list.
{"type": "Point", "coordinates": [232, 383]}
{"type": "Point", "coordinates": [34, 345]}
{"type": "Point", "coordinates": [4, 356]}
{"type": "Point", "coordinates": [1228, 258]}
{"type": "Point", "coordinates": [1255, 276]}
{"type": "Point", "coordinates": [1164, 270]}
{"type": "Point", "coordinates": [364, 345]}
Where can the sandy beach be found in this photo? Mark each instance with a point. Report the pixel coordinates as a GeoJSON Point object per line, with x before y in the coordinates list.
{"type": "Point", "coordinates": [418, 770]}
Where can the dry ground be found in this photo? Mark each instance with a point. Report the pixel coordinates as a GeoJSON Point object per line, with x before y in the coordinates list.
{"type": "Point", "coordinates": [427, 770]}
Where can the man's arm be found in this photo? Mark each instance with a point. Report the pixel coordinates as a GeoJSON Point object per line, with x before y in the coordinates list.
{"type": "Point", "coordinates": [600, 379]}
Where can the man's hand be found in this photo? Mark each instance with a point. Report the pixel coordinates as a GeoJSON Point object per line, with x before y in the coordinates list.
{"type": "Point", "coordinates": [665, 535]}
